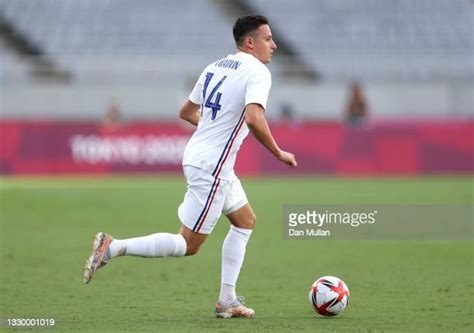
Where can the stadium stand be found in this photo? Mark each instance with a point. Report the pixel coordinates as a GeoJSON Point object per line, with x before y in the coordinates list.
{"type": "Point", "coordinates": [380, 39]}
{"type": "Point", "coordinates": [414, 58]}
{"type": "Point", "coordinates": [122, 37]}
{"type": "Point", "coordinates": [12, 67]}
{"type": "Point", "coordinates": [342, 39]}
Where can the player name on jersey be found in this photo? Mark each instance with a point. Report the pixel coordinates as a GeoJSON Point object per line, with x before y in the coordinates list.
{"type": "Point", "coordinates": [228, 63]}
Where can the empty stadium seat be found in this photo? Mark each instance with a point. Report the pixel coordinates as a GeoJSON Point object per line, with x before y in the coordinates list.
{"type": "Point", "coordinates": [341, 39]}
{"type": "Point", "coordinates": [379, 39]}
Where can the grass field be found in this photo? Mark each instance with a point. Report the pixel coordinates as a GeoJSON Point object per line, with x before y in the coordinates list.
{"type": "Point", "coordinates": [47, 225]}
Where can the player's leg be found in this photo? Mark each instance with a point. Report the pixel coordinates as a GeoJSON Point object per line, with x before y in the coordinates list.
{"type": "Point", "coordinates": [233, 250]}
{"type": "Point", "coordinates": [186, 242]}
{"type": "Point", "coordinates": [193, 239]}
{"type": "Point", "coordinates": [242, 219]}
{"type": "Point", "coordinates": [198, 213]}
{"type": "Point", "coordinates": [157, 245]}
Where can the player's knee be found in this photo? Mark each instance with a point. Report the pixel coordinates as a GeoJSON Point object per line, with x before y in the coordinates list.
{"type": "Point", "coordinates": [251, 220]}
{"type": "Point", "coordinates": [254, 220]}
{"type": "Point", "coordinates": [193, 240]}
{"type": "Point", "coordinates": [192, 249]}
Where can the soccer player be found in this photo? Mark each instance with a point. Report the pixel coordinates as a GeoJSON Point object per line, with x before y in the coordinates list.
{"type": "Point", "coordinates": [228, 100]}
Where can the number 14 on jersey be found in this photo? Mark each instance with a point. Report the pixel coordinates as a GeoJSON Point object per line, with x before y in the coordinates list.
{"type": "Point", "coordinates": [215, 105]}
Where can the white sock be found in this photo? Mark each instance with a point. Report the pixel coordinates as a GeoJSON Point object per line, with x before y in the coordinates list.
{"type": "Point", "coordinates": [228, 294]}
{"type": "Point", "coordinates": [233, 253]}
{"type": "Point", "coordinates": [151, 246]}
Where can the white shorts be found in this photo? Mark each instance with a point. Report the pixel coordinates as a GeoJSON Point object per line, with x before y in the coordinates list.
{"type": "Point", "coordinates": [207, 198]}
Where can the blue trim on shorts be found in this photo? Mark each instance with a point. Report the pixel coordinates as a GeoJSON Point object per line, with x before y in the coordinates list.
{"type": "Point", "coordinates": [205, 206]}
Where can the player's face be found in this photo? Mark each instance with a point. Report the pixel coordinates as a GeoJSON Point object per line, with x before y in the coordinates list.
{"type": "Point", "coordinates": [264, 46]}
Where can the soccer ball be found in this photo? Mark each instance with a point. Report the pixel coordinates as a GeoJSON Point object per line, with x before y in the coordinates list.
{"type": "Point", "coordinates": [329, 296]}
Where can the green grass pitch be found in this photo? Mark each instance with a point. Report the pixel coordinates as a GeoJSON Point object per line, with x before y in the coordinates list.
{"type": "Point", "coordinates": [47, 225]}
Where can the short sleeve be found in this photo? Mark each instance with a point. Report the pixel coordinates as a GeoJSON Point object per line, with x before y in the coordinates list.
{"type": "Point", "coordinates": [196, 93]}
{"type": "Point", "coordinates": [258, 87]}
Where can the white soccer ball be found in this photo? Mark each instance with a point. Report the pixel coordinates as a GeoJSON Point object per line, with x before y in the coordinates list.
{"type": "Point", "coordinates": [329, 296]}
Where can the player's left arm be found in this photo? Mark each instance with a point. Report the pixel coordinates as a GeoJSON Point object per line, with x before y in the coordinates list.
{"type": "Point", "coordinates": [190, 112]}
{"type": "Point", "coordinates": [256, 96]}
{"type": "Point", "coordinates": [258, 125]}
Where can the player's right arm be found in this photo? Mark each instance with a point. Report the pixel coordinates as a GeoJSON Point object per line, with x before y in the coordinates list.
{"type": "Point", "coordinates": [190, 112]}
{"type": "Point", "coordinates": [258, 125]}
{"type": "Point", "coordinates": [191, 109]}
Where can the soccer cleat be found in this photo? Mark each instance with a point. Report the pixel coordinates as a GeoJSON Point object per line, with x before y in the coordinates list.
{"type": "Point", "coordinates": [100, 255]}
{"type": "Point", "coordinates": [235, 309]}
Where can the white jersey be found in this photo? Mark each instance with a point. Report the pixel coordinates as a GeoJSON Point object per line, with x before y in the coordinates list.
{"type": "Point", "coordinates": [223, 90]}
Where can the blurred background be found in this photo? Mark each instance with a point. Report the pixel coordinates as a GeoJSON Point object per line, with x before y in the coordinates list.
{"type": "Point", "coordinates": [360, 87]}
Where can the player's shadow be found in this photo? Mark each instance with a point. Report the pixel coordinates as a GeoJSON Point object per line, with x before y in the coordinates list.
{"type": "Point", "coordinates": [338, 318]}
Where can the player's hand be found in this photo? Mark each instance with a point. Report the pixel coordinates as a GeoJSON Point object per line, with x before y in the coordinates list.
{"type": "Point", "coordinates": [287, 158]}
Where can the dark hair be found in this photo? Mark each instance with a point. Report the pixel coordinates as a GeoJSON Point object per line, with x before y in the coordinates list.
{"type": "Point", "coordinates": [246, 24]}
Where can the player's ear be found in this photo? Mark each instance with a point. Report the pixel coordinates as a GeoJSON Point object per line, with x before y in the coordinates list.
{"type": "Point", "coordinates": [249, 42]}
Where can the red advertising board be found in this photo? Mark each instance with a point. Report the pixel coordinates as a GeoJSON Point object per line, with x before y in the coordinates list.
{"type": "Point", "coordinates": [386, 148]}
